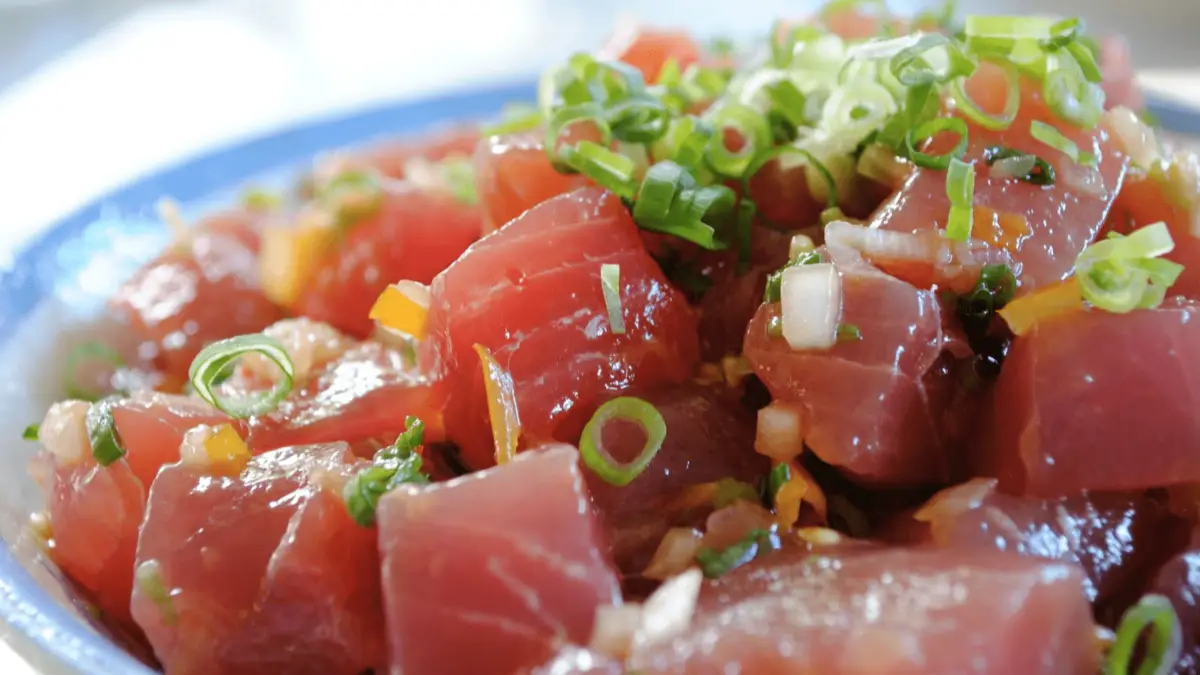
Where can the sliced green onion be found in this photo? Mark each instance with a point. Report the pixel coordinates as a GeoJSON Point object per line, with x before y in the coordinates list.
{"type": "Point", "coordinates": [1162, 646]}
{"type": "Point", "coordinates": [641, 119]}
{"type": "Point", "coordinates": [1120, 274]}
{"type": "Point", "coordinates": [780, 474]}
{"type": "Point", "coordinates": [395, 465]}
{"type": "Point", "coordinates": [910, 68]}
{"type": "Point", "coordinates": [514, 119]}
{"type": "Point", "coordinates": [1012, 100]}
{"type": "Point", "coordinates": [658, 189]}
{"type": "Point", "coordinates": [1012, 163]}
{"type": "Point", "coordinates": [459, 175]}
{"type": "Point", "coordinates": [685, 142]}
{"type": "Point", "coordinates": [788, 101]}
{"type": "Point", "coordinates": [716, 563]}
{"type": "Point", "coordinates": [610, 283]}
{"type": "Point", "coordinates": [730, 490]}
{"type": "Point", "coordinates": [83, 353]}
{"type": "Point", "coordinates": [1086, 61]}
{"type": "Point", "coordinates": [31, 432]}
{"type": "Point", "coordinates": [930, 129]}
{"type": "Point", "coordinates": [992, 291]}
{"type": "Point", "coordinates": [596, 456]}
{"type": "Point", "coordinates": [149, 579]}
{"type": "Point", "coordinates": [352, 196]}
{"type": "Point", "coordinates": [960, 188]}
{"type": "Point", "coordinates": [565, 117]}
{"type": "Point", "coordinates": [753, 130]}
{"type": "Point", "coordinates": [216, 357]}
{"type": "Point", "coordinates": [1071, 96]}
{"type": "Point", "coordinates": [102, 433]}
{"type": "Point", "coordinates": [1009, 27]}
{"type": "Point", "coordinates": [848, 332]}
{"type": "Point", "coordinates": [1054, 138]}
{"type": "Point", "coordinates": [774, 288]}
{"type": "Point", "coordinates": [610, 170]}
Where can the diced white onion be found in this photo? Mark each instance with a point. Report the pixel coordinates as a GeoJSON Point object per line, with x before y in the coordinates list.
{"type": "Point", "coordinates": [1133, 136]}
{"type": "Point", "coordinates": [615, 626]}
{"type": "Point", "coordinates": [801, 243]}
{"type": "Point", "coordinates": [1086, 179]}
{"type": "Point", "coordinates": [675, 553]}
{"type": "Point", "coordinates": [63, 432]}
{"type": "Point", "coordinates": [192, 451]}
{"type": "Point", "coordinates": [811, 298]}
{"type": "Point", "coordinates": [883, 166]}
{"type": "Point", "coordinates": [1183, 186]}
{"type": "Point", "coordinates": [668, 611]}
{"type": "Point", "coordinates": [1013, 167]}
{"type": "Point", "coordinates": [780, 433]}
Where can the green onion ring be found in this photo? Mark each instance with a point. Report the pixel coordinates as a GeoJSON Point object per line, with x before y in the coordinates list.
{"type": "Point", "coordinates": [102, 433]}
{"type": "Point", "coordinates": [611, 170]}
{"type": "Point", "coordinates": [214, 358]}
{"type": "Point", "coordinates": [754, 130]}
{"type": "Point", "coordinates": [1162, 646]}
{"type": "Point", "coordinates": [564, 117]}
{"type": "Point", "coordinates": [600, 461]}
{"type": "Point", "coordinates": [928, 130]}
{"type": "Point", "coordinates": [1012, 100]}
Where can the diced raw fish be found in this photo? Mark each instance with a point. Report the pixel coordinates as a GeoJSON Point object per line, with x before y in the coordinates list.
{"type": "Point", "coordinates": [531, 294]}
{"type": "Point", "coordinates": [513, 174]}
{"type": "Point", "coordinates": [708, 439]}
{"type": "Point", "coordinates": [260, 572]}
{"type": "Point", "coordinates": [884, 408]}
{"type": "Point", "coordinates": [414, 236]}
{"type": "Point", "coordinates": [1179, 582]}
{"type": "Point", "coordinates": [727, 306]}
{"type": "Point", "coordinates": [493, 572]}
{"type": "Point", "coordinates": [391, 158]}
{"type": "Point", "coordinates": [1120, 81]}
{"type": "Point", "coordinates": [649, 49]}
{"type": "Point", "coordinates": [198, 291]}
{"type": "Point", "coordinates": [1116, 539]}
{"type": "Point", "coordinates": [1043, 227]}
{"type": "Point", "coordinates": [1092, 400]}
{"type": "Point", "coordinates": [362, 398]}
{"type": "Point", "coordinates": [894, 611]}
{"type": "Point", "coordinates": [95, 511]}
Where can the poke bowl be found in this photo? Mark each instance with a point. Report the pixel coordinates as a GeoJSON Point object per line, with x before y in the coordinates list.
{"type": "Point", "coordinates": [869, 347]}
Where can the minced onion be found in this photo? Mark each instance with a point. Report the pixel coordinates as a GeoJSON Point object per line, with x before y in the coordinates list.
{"type": "Point", "coordinates": [675, 553]}
{"type": "Point", "coordinates": [669, 609]}
{"type": "Point", "coordinates": [811, 299]}
{"type": "Point", "coordinates": [597, 457]}
{"type": "Point", "coordinates": [211, 363]}
{"type": "Point", "coordinates": [780, 432]}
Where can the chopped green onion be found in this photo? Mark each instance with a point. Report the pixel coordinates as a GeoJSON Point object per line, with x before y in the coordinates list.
{"type": "Point", "coordinates": [774, 288]}
{"type": "Point", "coordinates": [788, 101]}
{"type": "Point", "coordinates": [928, 130]}
{"type": "Point", "coordinates": [1120, 274]}
{"type": "Point", "coordinates": [610, 283]}
{"type": "Point", "coordinates": [1086, 61]}
{"type": "Point", "coordinates": [641, 119]}
{"type": "Point", "coordinates": [730, 490]}
{"type": "Point", "coordinates": [848, 332]}
{"type": "Point", "coordinates": [514, 119]}
{"type": "Point", "coordinates": [753, 131]}
{"type": "Point", "coordinates": [1008, 27]}
{"type": "Point", "coordinates": [1012, 163]}
{"type": "Point", "coordinates": [1162, 646]}
{"type": "Point", "coordinates": [807, 158]}
{"type": "Point", "coordinates": [31, 432]}
{"type": "Point", "coordinates": [395, 465]}
{"type": "Point", "coordinates": [992, 291]}
{"type": "Point", "coordinates": [1012, 101]}
{"type": "Point", "coordinates": [352, 196]}
{"type": "Point", "coordinates": [102, 433]}
{"type": "Point", "coordinates": [597, 458]}
{"type": "Point", "coordinates": [610, 170]}
{"type": "Point", "coordinates": [1071, 96]}
{"type": "Point", "coordinates": [261, 199]}
{"type": "Point", "coordinates": [910, 68]}
{"type": "Point", "coordinates": [1054, 138]}
{"type": "Point", "coordinates": [216, 357]}
{"type": "Point", "coordinates": [685, 141]}
{"type": "Point", "coordinates": [780, 474]}
{"type": "Point", "coordinates": [716, 563]}
{"type": "Point", "coordinates": [960, 188]}
{"type": "Point", "coordinates": [83, 353]}
{"type": "Point", "coordinates": [149, 579]}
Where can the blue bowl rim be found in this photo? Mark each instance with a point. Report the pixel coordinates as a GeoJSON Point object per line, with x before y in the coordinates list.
{"type": "Point", "coordinates": [29, 611]}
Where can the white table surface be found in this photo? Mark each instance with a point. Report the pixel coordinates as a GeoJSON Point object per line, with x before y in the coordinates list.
{"type": "Point", "coordinates": [174, 79]}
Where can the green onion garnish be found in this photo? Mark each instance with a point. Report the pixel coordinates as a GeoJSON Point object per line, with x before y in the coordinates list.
{"type": "Point", "coordinates": [610, 283]}
{"type": "Point", "coordinates": [149, 579]}
{"type": "Point", "coordinates": [716, 563]}
{"type": "Point", "coordinates": [459, 174]}
{"type": "Point", "coordinates": [774, 288]}
{"type": "Point", "coordinates": [596, 456]}
{"type": "Point", "coordinates": [960, 188]}
{"type": "Point", "coordinates": [1120, 274]}
{"type": "Point", "coordinates": [1012, 163]}
{"type": "Point", "coordinates": [31, 432]}
{"type": "Point", "coordinates": [669, 201]}
{"type": "Point", "coordinates": [992, 291]}
{"type": "Point", "coordinates": [1070, 95]}
{"type": "Point", "coordinates": [1054, 138]}
{"type": "Point", "coordinates": [610, 170]}
{"type": "Point", "coordinates": [928, 130]}
{"type": "Point", "coordinates": [216, 357]}
{"type": "Point", "coordinates": [753, 131]}
{"type": "Point", "coordinates": [848, 332]}
{"type": "Point", "coordinates": [84, 353]}
{"type": "Point", "coordinates": [395, 465]}
{"type": "Point", "coordinates": [730, 490]}
{"type": "Point", "coordinates": [1162, 646]}
{"type": "Point", "coordinates": [102, 433]}
{"type": "Point", "coordinates": [352, 196]}
{"type": "Point", "coordinates": [685, 142]}
{"type": "Point", "coordinates": [642, 119]}
{"type": "Point", "coordinates": [911, 68]}
{"type": "Point", "coordinates": [780, 474]}
{"type": "Point", "coordinates": [1012, 101]}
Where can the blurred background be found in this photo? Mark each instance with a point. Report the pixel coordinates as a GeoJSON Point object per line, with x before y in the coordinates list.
{"type": "Point", "coordinates": [96, 92]}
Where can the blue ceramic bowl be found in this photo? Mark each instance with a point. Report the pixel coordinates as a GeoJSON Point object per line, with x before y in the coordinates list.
{"type": "Point", "coordinates": [54, 295]}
